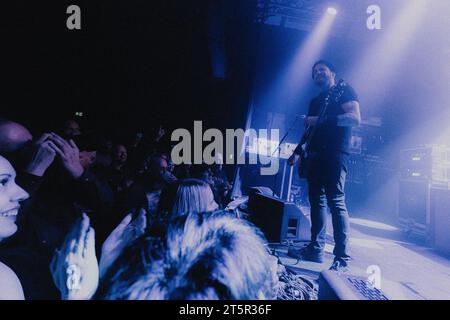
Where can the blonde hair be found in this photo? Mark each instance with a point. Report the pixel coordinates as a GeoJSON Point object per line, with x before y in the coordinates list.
{"type": "Point", "coordinates": [193, 195]}
{"type": "Point", "coordinates": [204, 256]}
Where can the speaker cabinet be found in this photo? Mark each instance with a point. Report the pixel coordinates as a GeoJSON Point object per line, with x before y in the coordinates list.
{"type": "Point", "coordinates": [425, 211]}
{"type": "Point", "coordinates": [440, 219]}
{"type": "Point", "coordinates": [278, 220]}
{"type": "Point", "coordinates": [414, 207]}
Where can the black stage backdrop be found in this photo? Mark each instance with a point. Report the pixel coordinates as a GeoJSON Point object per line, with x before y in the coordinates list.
{"type": "Point", "coordinates": [132, 66]}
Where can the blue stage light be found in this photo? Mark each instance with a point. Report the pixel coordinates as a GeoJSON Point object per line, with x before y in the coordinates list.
{"type": "Point", "coordinates": [332, 11]}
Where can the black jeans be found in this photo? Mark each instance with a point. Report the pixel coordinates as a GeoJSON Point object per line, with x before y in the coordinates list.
{"type": "Point", "coordinates": [326, 182]}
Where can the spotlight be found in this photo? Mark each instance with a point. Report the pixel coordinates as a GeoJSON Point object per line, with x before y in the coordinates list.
{"type": "Point", "coordinates": [332, 11]}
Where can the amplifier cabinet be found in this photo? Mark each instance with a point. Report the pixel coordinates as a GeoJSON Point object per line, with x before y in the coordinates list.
{"type": "Point", "coordinates": [414, 207]}
{"type": "Point", "coordinates": [426, 163]}
{"type": "Point", "coordinates": [424, 211]}
{"type": "Point", "coordinates": [440, 219]}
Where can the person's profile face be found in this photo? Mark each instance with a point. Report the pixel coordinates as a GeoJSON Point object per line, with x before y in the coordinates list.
{"type": "Point", "coordinates": [156, 167]}
{"type": "Point", "coordinates": [207, 176]}
{"type": "Point", "coordinates": [212, 204]}
{"type": "Point", "coordinates": [10, 197]}
{"type": "Point", "coordinates": [162, 165]}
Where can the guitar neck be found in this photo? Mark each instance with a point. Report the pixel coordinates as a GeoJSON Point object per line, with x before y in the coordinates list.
{"type": "Point", "coordinates": [311, 130]}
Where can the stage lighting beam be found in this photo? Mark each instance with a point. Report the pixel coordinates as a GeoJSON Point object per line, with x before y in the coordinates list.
{"type": "Point", "coordinates": [288, 87]}
{"type": "Point", "coordinates": [332, 11]}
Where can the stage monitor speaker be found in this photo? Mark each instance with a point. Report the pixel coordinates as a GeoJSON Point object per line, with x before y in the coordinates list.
{"type": "Point", "coordinates": [335, 285]}
{"type": "Point", "coordinates": [278, 220]}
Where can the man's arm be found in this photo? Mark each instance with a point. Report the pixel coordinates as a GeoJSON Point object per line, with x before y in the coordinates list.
{"type": "Point", "coordinates": [350, 118]}
{"type": "Point", "coordinates": [93, 193]}
{"type": "Point", "coordinates": [352, 115]}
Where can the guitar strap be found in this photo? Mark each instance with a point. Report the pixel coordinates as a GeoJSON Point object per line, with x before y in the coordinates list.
{"type": "Point", "coordinates": [323, 111]}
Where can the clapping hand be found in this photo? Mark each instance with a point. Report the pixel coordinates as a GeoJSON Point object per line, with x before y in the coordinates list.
{"type": "Point", "coordinates": [69, 154]}
{"type": "Point", "coordinates": [122, 236]}
{"type": "Point", "coordinates": [44, 154]}
{"type": "Point", "coordinates": [74, 267]}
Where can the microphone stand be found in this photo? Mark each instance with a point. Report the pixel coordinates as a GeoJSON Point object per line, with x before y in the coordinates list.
{"type": "Point", "coordinates": [279, 147]}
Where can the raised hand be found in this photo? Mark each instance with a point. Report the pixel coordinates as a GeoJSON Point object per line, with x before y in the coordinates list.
{"type": "Point", "coordinates": [161, 133]}
{"type": "Point", "coordinates": [123, 235]}
{"type": "Point", "coordinates": [69, 155]}
{"type": "Point", "coordinates": [74, 267]}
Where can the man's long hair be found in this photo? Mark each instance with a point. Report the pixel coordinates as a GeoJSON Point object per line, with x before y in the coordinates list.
{"type": "Point", "coordinates": [203, 256]}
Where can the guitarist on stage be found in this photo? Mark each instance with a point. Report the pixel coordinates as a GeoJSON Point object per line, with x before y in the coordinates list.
{"type": "Point", "coordinates": [330, 118]}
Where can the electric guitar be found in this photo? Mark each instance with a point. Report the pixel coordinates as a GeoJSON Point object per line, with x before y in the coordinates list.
{"type": "Point", "coordinates": [306, 157]}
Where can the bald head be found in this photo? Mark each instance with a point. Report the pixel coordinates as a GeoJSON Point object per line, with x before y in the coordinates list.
{"type": "Point", "coordinates": [13, 136]}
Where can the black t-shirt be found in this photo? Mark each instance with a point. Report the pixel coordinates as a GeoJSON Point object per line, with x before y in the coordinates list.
{"type": "Point", "coordinates": [328, 137]}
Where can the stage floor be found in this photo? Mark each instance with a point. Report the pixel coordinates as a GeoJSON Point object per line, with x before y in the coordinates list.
{"type": "Point", "coordinates": [409, 269]}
